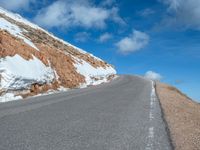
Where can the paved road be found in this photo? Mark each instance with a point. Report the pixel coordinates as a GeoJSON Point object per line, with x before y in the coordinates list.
{"type": "Point", "coordinates": [121, 115]}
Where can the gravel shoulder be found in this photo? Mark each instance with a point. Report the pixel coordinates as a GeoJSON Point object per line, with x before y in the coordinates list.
{"type": "Point", "coordinates": [182, 116]}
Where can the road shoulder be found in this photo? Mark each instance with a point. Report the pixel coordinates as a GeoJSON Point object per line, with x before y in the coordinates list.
{"type": "Point", "coordinates": [182, 116]}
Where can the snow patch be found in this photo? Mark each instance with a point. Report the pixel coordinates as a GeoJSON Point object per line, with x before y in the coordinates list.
{"type": "Point", "coordinates": [18, 73]}
{"type": "Point", "coordinates": [16, 31]}
{"type": "Point", "coordinates": [63, 89]}
{"type": "Point", "coordinates": [9, 97]}
{"type": "Point", "coordinates": [50, 92]}
{"type": "Point", "coordinates": [91, 73]}
{"type": "Point", "coordinates": [17, 17]}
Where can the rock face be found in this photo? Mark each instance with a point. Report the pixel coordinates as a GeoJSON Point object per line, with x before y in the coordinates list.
{"type": "Point", "coordinates": [33, 61]}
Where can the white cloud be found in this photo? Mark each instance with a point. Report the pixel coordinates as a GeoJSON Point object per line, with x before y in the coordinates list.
{"type": "Point", "coordinates": [153, 76]}
{"type": "Point", "coordinates": [108, 2]}
{"type": "Point", "coordinates": [89, 16]}
{"type": "Point", "coordinates": [114, 15]}
{"type": "Point", "coordinates": [134, 42]}
{"type": "Point", "coordinates": [185, 13]}
{"type": "Point", "coordinates": [105, 37]}
{"type": "Point", "coordinates": [173, 4]}
{"type": "Point", "coordinates": [146, 12]}
{"type": "Point", "coordinates": [52, 15]}
{"type": "Point", "coordinates": [82, 37]}
{"type": "Point", "coordinates": [16, 5]}
{"type": "Point", "coordinates": [70, 13]}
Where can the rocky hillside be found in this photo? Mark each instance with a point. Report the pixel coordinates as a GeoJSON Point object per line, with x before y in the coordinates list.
{"type": "Point", "coordinates": [33, 61]}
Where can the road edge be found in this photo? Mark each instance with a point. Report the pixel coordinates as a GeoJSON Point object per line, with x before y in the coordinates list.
{"type": "Point", "coordinates": [167, 129]}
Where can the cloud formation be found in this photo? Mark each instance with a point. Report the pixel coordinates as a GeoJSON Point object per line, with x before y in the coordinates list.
{"type": "Point", "coordinates": [105, 37]}
{"type": "Point", "coordinates": [108, 2]}
{"type": "Point", "coordinates": [185, 13]}
{"type": "Point", "coordinates": [136, 41]}
{"type": "Point", "coordinates": [153, 76]}
{"type": "Point", "coordinates": [146, 12]}
{"type": "Point", "coordinates": [70, 13]}
{"type": "Point", "coordinates": [16, 5]}
{"type": "Point", "coordinates": [82, 37]}
{"type": "Point", "coordinates": [114, 16]}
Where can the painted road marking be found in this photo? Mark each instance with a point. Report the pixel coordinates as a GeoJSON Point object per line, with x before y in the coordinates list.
{"type": "Point", "coordinates": [151, 131]}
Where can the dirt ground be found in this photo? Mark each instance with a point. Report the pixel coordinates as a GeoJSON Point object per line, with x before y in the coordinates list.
{"type": "Point", "coordinates": [182, 116]}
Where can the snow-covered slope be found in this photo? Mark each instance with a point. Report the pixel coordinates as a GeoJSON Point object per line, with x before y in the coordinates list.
{"type": "Point", "coordinates": [15, 31]}
{"type": "Point", "coordinates": [20, 19]}
{"type": "Point", "coordinates": [18, 73]}
{"type": "Point", "coordinates": [93, 75]}
{"type": "Point", "coordinates": [33, 61]}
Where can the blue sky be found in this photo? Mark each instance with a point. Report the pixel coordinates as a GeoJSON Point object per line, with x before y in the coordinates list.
{"type": "Point", "coordinates": [135, 36]}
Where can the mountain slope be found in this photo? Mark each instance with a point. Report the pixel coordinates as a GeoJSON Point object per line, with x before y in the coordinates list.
{"type": "Point", "coordinates": [34, 61]}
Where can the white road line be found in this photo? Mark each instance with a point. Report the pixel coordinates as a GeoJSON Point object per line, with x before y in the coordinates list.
{"type": "Point", "coordinates": [151, 131]}
{"type": "Point", "coordinates": [151, 116]}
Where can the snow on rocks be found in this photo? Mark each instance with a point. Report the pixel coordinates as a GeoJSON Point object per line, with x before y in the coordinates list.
{"type": "Point", "coordinates": [17, 17]}
{"type": "Point", "coordinates": [9, 97]}
{"type": "Point", "coordinates": [93, 76]}
{"type": "Point", "coordinates": [20, 19]}
{"type": "Point", "coordinates": [56, 65]}
{"type": "Point", "coordinates": [18, 73]}
{"type": "Point", "coordinates": [16, 31]}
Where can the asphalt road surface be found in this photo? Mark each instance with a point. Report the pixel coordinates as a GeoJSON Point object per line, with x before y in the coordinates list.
{"type": "Point", "coordinates": [120, 115]}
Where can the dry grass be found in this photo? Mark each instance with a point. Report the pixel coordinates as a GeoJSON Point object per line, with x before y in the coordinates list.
{"type": "Point", "coordinates": [182, 116]}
